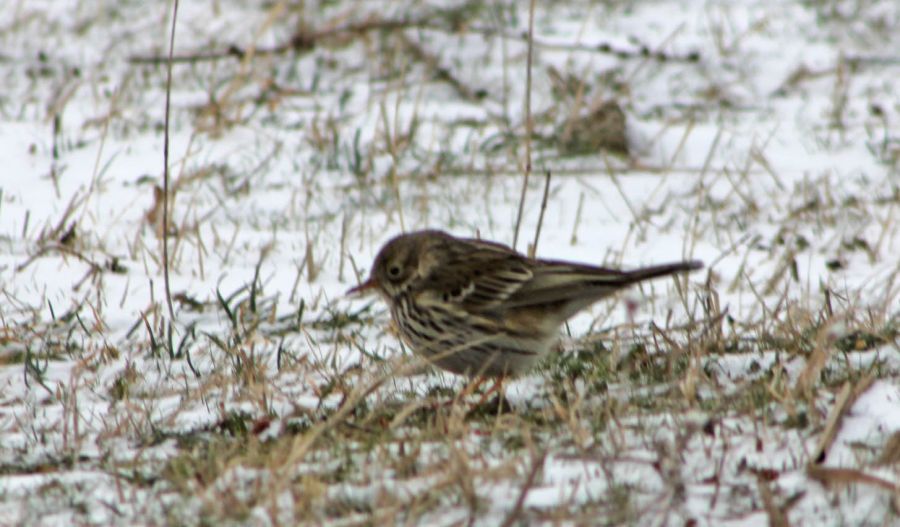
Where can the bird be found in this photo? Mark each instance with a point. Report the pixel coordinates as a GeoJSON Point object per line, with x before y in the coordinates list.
{"type": "Point", "coordinates": [481, 309]}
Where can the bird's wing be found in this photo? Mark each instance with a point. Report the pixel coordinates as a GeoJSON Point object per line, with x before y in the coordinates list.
{"type": "Point", "coordinates": [564, 282]}
{"type": "Point", "coordinates": [475, 275]}
{"type": "Point", "coordinates": [488, 278]}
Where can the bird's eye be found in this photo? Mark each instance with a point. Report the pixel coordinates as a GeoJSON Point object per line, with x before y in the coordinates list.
{"type": "Point", "coordinates": [394, 271]}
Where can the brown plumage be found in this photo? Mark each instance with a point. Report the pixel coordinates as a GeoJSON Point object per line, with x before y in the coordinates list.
{"type": "Point", "coordinates": [475, 307]}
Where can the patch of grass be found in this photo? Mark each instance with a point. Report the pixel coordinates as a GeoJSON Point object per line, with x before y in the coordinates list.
{"type": "Point", "coordinates": [591, 366]}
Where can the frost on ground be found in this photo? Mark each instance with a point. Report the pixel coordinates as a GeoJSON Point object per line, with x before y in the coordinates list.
{"type": "Point", "coordinates": [760, 137]}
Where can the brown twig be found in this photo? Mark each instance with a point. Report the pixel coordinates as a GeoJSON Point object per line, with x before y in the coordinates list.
{"type": "Point", "coordinates": [165, 218]}
{"type": "Point", "coordinates": [440, 72]}
{"type": "Point", "coordinates": [529, 125]}
{"type": "Point", "coordinates": [842, 404]}
{"type": "Point", "coordinates": [516, 511]}
{"type": "Point", "coordinates": [537, 232]}
{"type": "Point", "coordinates": [307, 40]}
{"type": "Point", "coordinates": [776, 514]}
{"type": "Point", "coordinates": [846, 476]}
{"type": "Point", "coordinates": [300, 40]}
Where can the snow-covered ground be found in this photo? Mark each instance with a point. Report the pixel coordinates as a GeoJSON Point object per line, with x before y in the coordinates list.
{"type": "Point", "coordinates": [763, 138]}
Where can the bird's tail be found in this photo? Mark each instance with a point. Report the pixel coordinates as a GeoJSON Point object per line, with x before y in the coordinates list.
{"type": "Point", "coordinates": [655, 271]}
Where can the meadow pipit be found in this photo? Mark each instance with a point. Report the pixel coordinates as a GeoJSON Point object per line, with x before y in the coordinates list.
{"type": "Point", "coordinates": [479, 308]}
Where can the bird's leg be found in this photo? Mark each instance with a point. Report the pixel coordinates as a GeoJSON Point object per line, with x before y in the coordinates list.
{"type": "Point", "coordinates": [463, 394]}
{"type": "Point", "coordinates": [484, 405]}
{"type": "Point", "coordinates": [471, 386]}
{"type": "Point", "coordinates": [477, 382]}
{"type": "Point", "coordinates": [496, 387]}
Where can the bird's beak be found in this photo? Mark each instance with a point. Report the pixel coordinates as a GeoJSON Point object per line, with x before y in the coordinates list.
{"type": "Point", "coordinates": [362, 289]}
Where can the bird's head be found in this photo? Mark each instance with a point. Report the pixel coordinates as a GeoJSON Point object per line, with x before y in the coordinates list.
{"type": "Point", "coordinates": [398, 264]}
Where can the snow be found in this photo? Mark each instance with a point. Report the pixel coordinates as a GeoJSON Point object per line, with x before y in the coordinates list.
{"type": "Point", "coordinates": [772, 157]}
